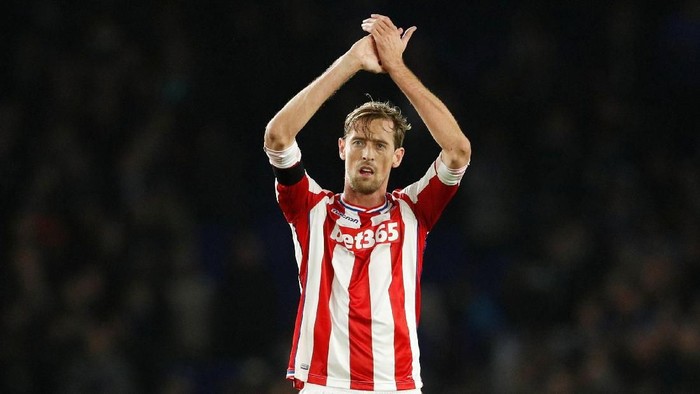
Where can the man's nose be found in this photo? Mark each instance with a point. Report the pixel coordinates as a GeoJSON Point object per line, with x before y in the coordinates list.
{"type": "Point", "coordinates": [368, 153]}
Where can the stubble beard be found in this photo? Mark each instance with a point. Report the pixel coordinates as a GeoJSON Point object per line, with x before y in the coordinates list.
{"type": "Point", "coordinates": [363, 186]}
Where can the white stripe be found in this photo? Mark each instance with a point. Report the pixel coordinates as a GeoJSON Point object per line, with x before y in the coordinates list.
{"type": "Point", "coordinates": [297, 250]}
{"type": "Point", "coordinates": [414, 189]}
{"type": "Point", "coordinates": [315, 188]}
{"type": "Point", "coordinates": [339, 346]}
{"type": "Point", "coordinates": [410, 254]}
{"type": "Point", "coordinates": [313, 281]}
{"type": "Point", "coordinates": [382, 318]}
{"type": "Point", "coordinates": [382, 217]}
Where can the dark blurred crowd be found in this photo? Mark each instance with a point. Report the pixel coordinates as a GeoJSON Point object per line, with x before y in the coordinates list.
{"type": "Point", "coordinates": [142, 249]}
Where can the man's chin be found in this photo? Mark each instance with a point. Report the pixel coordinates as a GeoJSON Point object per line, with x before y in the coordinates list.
{"type": "Point", "coordinates": [364, 187]}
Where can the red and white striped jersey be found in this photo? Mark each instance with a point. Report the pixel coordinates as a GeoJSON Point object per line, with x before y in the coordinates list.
{"type": "Point", "coordinates": [359, 276]}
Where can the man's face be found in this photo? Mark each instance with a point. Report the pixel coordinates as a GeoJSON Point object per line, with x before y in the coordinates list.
{"type": "Point", "coordinates": [369, 156]}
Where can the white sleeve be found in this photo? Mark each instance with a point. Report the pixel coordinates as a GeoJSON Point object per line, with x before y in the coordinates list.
{"type": "Point", "coordinates": [285, 158]}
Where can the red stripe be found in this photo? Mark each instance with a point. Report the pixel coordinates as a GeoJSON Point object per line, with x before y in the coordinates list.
{"type": "Point", "coordinates": [360, 326]}
{"type": "Point", "coordinates": [295, 340]}
{"type": "Point", "coordinates": [432, 201]}
{"type": "Point", "coordinates": [318, 372]}
{"type": "Point", "coordinates": [290, 198]}
{"type": "Point", "coordinates": [403, 356]}
{"type": "Point", "coordinates": [302, 231]}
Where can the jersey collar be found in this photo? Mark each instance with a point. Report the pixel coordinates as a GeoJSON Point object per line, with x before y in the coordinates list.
{"type": "Point", "coordinates": [381, 207]}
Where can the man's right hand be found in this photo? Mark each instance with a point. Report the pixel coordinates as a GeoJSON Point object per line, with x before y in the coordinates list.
{"type": "Point", "coordinates": [390, 41]}
{"type": "Point", "coordinates": [365, 51]}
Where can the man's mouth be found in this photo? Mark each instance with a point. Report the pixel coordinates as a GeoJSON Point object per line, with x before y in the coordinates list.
{"type": "Point", "coordinates": [366, 170]}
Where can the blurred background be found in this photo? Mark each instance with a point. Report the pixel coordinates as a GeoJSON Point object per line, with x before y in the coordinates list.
{"type": "Point", "coordinates": [143, 251]}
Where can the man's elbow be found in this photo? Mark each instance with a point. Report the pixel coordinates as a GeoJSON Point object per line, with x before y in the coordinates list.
{"type": "Point", "coordinates": [461, 154]}
{"type": "Point", "coordinates": [275, 138]}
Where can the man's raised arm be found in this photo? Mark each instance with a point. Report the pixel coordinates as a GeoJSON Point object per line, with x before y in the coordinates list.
{"type": "Point", "coordinates": [391, 42]}
{"type": "Point", "coordinates": [288, 122]}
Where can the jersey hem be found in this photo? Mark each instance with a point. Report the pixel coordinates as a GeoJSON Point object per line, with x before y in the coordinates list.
{"type": "Point", "coordinates": [400, 385]}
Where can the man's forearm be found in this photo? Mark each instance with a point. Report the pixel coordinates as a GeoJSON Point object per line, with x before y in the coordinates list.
{"type": "Point", "coordinates": [288, 122]}
{"type": "Point", "coordinates": [436, 116]}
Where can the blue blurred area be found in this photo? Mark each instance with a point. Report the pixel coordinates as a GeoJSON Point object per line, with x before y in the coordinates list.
{"type": "Point", "coordinates": [143, 250]}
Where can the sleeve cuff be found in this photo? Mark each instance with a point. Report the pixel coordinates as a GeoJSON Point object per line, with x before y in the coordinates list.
{"type": "Point", "coordinates": [449, 176]}
{"type": "Point", "coordinates": [285, 158]}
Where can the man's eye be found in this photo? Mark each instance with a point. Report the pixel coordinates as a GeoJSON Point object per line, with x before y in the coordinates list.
{"type": "Point", "coordinates": [357, 142]}
{"type": "Point", "coordinates": [381, 146]}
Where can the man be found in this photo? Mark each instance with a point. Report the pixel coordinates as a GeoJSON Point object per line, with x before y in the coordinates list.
{"type": "Point", "coordinates": [360, 252]}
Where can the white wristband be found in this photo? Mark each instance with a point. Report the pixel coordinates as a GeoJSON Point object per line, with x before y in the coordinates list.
{"type": "Point", "coordinates": [285, 158]}
{"type": "Point", "coordinates": [449, 176]}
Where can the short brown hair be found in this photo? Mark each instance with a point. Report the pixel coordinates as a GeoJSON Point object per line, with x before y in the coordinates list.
{"type": "Point", "coordinates": [372, 110]}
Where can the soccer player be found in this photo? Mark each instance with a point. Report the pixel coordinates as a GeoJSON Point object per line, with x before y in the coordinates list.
{"type": "Point", "coordinates": [360, 252]}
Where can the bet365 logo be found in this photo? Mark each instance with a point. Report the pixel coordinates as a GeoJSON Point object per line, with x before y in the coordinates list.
{"type": "Point", "coordinates": [386, 232]}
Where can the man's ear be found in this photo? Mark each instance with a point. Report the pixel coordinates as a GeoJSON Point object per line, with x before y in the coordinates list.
{"type": "Point", "coordinates": [341, 148]}
{"type": "Point", "coordinates": [398, 156]}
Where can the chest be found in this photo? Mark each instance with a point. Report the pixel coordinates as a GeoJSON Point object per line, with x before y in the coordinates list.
{"type": "Point", "coordinates": [360, 232]}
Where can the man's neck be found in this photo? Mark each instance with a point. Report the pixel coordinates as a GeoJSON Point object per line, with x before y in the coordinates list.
{"type": "Point", "coordinates": [364, 200]}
